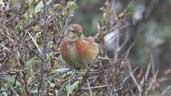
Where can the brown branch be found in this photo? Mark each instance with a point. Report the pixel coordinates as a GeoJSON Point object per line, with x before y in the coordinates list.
{"type": "Point", "coordinates": [45, 48]}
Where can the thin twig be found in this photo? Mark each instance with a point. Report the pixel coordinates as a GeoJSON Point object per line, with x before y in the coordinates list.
{"type": "Point", "coordinates": [35, 43]}
{"type": "Point", "coordinates": [16, 94]}
{"type": "Point", "coordinates": [96, 87]}
{"type": "Point", "coordinates": [165, 91]}
{"type": "Point", "coordinates": [89, 88]}
{"type": "Point", "coordinates": [126, 78]}
{"type": "Point", "coordinates": [135, 80]}
{"type": "Point", "coordinates": [148, 71]}
{"type": "Point", "coordinates": [151, 84]}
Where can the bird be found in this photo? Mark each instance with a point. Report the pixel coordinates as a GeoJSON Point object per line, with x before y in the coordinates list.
{"type": "Point", "coordinates": [77, 50]}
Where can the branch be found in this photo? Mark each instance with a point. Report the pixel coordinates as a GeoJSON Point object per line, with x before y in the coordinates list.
{"type": "Point", "coordinates": [42, 66]}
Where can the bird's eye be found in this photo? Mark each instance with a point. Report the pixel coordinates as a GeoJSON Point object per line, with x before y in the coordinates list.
{"type": "Point", "coordinates": [73, 31]}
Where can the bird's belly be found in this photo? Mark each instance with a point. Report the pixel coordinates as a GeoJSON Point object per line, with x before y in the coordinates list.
{"type": "Point", "coordinates": [75, 59]}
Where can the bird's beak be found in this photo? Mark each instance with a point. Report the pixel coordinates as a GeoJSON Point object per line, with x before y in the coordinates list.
{"type": "Point", "coordinates": [79, 34]}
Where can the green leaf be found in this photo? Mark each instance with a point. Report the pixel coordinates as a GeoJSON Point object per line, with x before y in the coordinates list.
{"type": "Point", "coordinates": [72, 6]}
{"type": "Point", "coordinates": [40, 6]}
{"type": "Point", "coordinates": [70, 88]}
{"type": "Point", "coordinates": [31, 3]}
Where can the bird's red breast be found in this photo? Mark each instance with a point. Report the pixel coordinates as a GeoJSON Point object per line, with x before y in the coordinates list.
{"type": "Point", "coordinates": [79, 52]}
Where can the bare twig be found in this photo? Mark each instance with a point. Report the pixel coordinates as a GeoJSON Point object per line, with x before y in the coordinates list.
{"type": "Point", "coordinates": [97, 87]}
{"type": "Point", "coordinates": [126, 78]}
{"type": "Point", "coordinates": [45, 48]}
{"type": "Point", "coordinates": [16, 94]}
{"type": "Point", "coordinates": [151, 84]}
{"type": "Point", "coordinates": [89, 88]}
{"type": "Point", "coordinates": [148, 71]}
{"type": "Point", "coordinates": [35, 43]}
{"type": "Point", "coordinates": [135, 80]}
{"type": "Point", "coordinates": [165, 91]}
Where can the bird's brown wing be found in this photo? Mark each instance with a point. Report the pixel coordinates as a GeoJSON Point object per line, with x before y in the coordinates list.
{"type": "Point", "coordinates": [87, 50]}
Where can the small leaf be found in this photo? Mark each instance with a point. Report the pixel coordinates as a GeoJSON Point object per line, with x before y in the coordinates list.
{"type": "Point", "coordinates": [70, 88]}
{"type": "Point", "coordinates": [40, 6]}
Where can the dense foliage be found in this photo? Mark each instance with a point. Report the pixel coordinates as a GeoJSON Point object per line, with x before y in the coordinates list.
{"type": "Point", "coordinates": [31, 32]}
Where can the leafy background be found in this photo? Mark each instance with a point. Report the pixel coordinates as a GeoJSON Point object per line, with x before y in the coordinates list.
{"type": "Point", "coordinates": [24, 37]}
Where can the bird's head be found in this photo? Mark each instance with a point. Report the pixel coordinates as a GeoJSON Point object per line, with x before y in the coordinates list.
{"type": "Point", "coordinates": [74, 32]}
